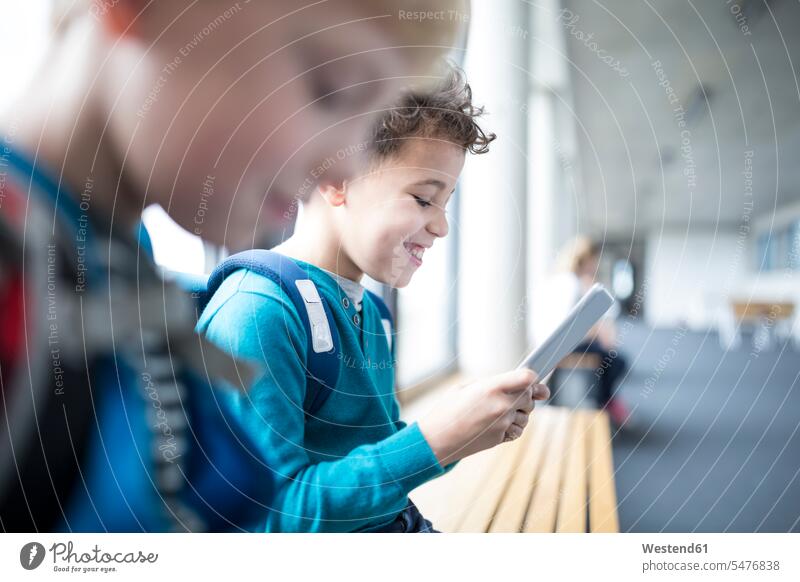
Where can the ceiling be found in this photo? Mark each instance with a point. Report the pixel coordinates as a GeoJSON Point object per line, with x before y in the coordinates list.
{"type": "Point", "coordinates": [740, 92]}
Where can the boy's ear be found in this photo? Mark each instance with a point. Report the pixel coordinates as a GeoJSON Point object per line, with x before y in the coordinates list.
{"type": "Point", "coordinates": [334, 194]}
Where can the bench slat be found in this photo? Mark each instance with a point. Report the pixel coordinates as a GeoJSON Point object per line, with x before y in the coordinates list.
{"type": "Point", "coordinates": [541, 513]}
{"type": "Point", "coordinates": [445, 501]}
{"type": "Point", "coordinates": [602, 493]}
{"type": "Point", "coordinates": [540, 483]}
{"type": "Point", "coordinates": [485, 504]}
{"type": "Point", "coordinates": [510, 513]}
{"type": "Point", "coordinates": [572, 503]}
{"type": "Point", "coordinates": [580, 361]}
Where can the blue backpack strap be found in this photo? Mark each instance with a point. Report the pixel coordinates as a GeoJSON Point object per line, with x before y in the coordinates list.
{"type": "Point", "coordinates": [322, 371]}
{"type": "Point", "coordinates": [386, 315]}
{"type": "Point", "coordinates": [380, 304]}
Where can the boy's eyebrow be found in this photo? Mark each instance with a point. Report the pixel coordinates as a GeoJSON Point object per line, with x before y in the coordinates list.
{"type": "Point", "coordinates": [431, 182]}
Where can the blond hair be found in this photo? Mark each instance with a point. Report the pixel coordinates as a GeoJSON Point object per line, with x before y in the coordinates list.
{"type": "Point", "coordinates": [574, 255]}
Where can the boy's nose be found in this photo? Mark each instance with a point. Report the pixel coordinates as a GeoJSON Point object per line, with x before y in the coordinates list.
{"type": "Point", "coordinates": [439, 226]}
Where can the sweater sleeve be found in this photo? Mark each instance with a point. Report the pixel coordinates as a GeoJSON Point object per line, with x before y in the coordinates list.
{"type": "Point", "coordinates": [400, 424]}
{"type": "Point", "coordinates": [367, 486]}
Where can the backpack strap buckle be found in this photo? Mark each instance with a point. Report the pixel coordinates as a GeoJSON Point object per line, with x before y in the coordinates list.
{"type": "Point", "coordinates": [321, 338]}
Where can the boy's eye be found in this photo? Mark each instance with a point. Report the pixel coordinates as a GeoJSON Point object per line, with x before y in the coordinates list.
{"type": "Point", "coordinates": [421, 201]}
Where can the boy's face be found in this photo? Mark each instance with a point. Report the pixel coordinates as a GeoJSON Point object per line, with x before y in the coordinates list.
{"type": "Point", "coordinates": [392, 215]}
{"type": "Point", "coordinates": [225, 118]}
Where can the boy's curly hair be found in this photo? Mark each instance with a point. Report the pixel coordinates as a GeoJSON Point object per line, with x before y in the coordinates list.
{"type": "Point", "coordinates": [445, 112]}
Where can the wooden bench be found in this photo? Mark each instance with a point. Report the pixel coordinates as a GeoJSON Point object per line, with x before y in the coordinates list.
{"type": "Point", "coordinates": [558, 477]}
{"type": "Point", "coordinates": [578, 361]}
{"type": "Point", "coordinates": [757, 311]}
{"type": "Point", "coordinates": [769, 320]}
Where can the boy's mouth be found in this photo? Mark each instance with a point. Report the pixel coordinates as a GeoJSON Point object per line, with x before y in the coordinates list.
{"type": "Point", "coordinates": [415, 252]}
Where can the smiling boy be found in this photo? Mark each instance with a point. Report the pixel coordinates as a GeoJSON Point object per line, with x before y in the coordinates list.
{"type": "Point", "coordinates": [350, 465]}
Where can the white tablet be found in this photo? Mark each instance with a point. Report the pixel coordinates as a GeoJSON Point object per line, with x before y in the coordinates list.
{"type": "Point", "coordinates": [570, 333]}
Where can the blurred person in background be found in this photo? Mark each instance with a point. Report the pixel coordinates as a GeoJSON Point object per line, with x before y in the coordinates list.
{"type": "Point", "coordinates": [577, 268]}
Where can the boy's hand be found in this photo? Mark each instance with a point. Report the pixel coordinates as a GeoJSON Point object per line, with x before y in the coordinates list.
{"type": "Point", "coordinates": [481, 415]}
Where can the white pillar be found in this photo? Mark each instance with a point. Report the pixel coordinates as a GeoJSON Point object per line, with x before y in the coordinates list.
{"type": "Point", "coordinates": [492, 221]}
{"type": "Point", "coordinates": [552, 171]}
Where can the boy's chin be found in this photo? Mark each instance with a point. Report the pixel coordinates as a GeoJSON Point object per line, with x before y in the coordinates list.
{"type": "Point", "coordinates": [393, 280]}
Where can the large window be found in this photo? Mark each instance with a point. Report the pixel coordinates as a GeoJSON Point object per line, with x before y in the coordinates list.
{"type": "Point", "coordinates": [779, 248]}
{"type": "Point", "coordinates": [794, 246]}
{"type": "Point", "coordinates": [174, 248]}
{"type": "Point", "coordinates": [24, 37]}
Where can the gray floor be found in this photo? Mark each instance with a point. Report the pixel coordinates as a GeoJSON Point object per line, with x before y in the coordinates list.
{"type": "Point", "coordinates": [716, 446]}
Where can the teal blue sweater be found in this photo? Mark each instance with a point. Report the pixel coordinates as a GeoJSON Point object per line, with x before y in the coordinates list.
{"type": "Point", "coordinates": [352, 466]}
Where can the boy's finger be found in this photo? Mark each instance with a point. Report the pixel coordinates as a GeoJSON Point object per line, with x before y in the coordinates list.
{"type": "Point", "coordinates": [516, 381]}
{"type": "Point", "coordinates": [541, 392]}
{"type": "Point", "coordinates": [513, 433]}
{"type": "Point", "coordinates": [520, 419]}
{"type": "Point", "coordinates": [524, 403]}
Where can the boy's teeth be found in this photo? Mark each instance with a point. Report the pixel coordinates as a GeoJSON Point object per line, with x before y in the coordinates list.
{"type": "Point", "coordinates": [416, 252]}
